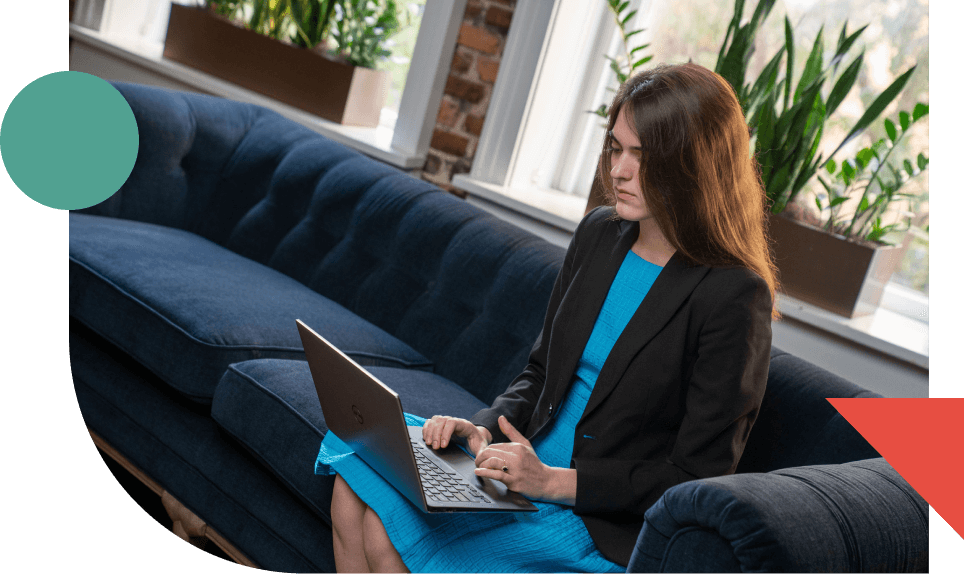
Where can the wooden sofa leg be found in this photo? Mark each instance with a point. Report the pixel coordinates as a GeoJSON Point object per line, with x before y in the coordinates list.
{"type": "Point", "coordinates": [187, 525]}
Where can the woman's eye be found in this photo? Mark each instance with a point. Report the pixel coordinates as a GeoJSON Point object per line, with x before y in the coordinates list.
{"type": "Point", "coordinates": [614, 150]}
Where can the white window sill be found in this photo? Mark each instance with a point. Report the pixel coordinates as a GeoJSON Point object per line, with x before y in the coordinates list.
{"type": "Point", "coordinates": [375, 142]}
{"type": "Point", "coordinates": [886, 332]}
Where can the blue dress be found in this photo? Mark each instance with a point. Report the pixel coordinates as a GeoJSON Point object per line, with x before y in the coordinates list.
{"type": "Point", "coordinates": [550, 540]}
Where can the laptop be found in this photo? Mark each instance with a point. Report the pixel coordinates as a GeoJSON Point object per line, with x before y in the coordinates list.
{"type": "Point", "coordinates": [367, 415]}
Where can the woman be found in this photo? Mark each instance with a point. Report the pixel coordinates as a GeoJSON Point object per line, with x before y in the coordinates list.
{"type": "Point", "coordinates": [651, 365]}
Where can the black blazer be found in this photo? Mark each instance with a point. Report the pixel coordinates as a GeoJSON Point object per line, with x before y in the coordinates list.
{"type": "Point", "coordinates": [675, 399]}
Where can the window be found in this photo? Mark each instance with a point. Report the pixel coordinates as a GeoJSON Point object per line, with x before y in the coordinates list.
{"type": "Point", "coordinates": [556, 138]}
{"type": "Point", "coordinates": [896, 39]}
{"type": "Point", "coordinates": [418, 67]}
{"type": "Point", "coordinates": [548, 169]}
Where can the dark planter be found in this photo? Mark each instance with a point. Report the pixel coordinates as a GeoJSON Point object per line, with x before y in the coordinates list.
{"type": "Point", "coordinates": [829, 271]}
{"type": "Point", "coordinates": [296, 76]}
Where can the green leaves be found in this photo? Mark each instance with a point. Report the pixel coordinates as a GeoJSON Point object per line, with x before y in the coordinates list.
{"type": "Point", "coordinates": [362, 28]}
{"type": "Point", "coordinates": [624, 65]}
{"type": "Point", "coordinates": [875, 178]}
{"type": "Point", "coordinates": [920, 110]}
{"type": "Point", "coordinates": [787, 133]}
{"type": "Point", "coordinates": [844, 83]}
{"type": "Point", "coordinates": [737, 47]}
{"type": "Point", "coordinates": [875, 109]}
{"type": "Point", "coordinates": [358, 28]}
{"type": "Point", "coordinates": [891, 130]}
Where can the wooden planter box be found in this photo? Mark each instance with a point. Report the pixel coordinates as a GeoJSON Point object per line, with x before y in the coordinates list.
{"type": "Point", "coordinates": [298, 77]}
{"type": "Point", "coordinates": [828, 271]}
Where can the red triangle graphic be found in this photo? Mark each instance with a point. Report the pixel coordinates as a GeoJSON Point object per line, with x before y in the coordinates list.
{"type": "Point", "coordinates": [923, 439]}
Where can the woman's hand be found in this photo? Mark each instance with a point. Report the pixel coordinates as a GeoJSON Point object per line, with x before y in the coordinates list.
{"type": "Point", "coordinates": [516, 465]}
{"type": "Point", "coordinates": [438, 431]}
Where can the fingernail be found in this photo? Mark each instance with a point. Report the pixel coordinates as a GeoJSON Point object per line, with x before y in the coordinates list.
{"type": "Point", "coordinates": [445, 443]}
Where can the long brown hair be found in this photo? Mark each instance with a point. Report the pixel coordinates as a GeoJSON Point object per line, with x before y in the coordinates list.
{"type": "Point", "coordinates": [698, 177]}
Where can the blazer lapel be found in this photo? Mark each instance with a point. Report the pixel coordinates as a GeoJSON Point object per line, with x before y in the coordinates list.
{"type": "Point", "coordinates": [582, 306]}
{"type": "Point", "coordinates": [670, 290]}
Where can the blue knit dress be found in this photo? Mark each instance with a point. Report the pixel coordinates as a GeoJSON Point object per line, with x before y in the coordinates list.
{"type": "Point", "coordinates": [551, 540]}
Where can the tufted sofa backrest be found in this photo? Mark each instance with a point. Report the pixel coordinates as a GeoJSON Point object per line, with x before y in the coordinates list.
{"type": "Point", "coordinates": [797, 426]}
{"type": "Point", "coordinates": [459, 285]}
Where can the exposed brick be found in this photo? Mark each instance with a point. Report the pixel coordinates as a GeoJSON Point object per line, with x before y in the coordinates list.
{"type": "Point", "coordinates": [462, 60]}
{"type": "Point", "coordinates": [473, 124]}
{"type": "Point", "coordinates": [449, 142]}
{"type": "Point", "coordinates": [473, 9]}
{"type": "Point", "coordinates": [448, 113]}
{"type": "Point", "coordinates": [498, 17]}
{"type": "Point", "coordinates": [488, 69]}
{"type": "Point", "coordinates": [479, 39]}
{"type": "Point", "coordinates": [464, 89]}
{"type": "Point", "coordinates": [432, 163]}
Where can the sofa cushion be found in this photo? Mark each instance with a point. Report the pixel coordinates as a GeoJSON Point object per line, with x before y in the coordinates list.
{"type": "Point", "coordinates": [271, 407]}
{"type": "Point", "coordinates": [187, 308]}
{"type": "Point", "coordinates": [797, 426]}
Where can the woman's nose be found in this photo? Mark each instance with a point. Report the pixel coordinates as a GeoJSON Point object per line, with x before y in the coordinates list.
{"type": "Point", "coordinates": [618, 170]}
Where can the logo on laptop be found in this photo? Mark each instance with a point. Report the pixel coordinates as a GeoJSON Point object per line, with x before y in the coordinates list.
{"type": "Point", "coordinates": [357, 413]}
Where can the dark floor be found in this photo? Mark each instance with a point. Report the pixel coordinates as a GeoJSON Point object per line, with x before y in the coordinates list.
{"type": "Point", "coordinates": [151, 503]}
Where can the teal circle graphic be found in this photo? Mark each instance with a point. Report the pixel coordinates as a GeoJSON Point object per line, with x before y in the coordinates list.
{"type": "Point", "coordinates": [69, 140]}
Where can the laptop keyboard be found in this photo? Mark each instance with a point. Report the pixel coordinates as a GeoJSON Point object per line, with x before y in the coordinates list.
{"type": "Point", "coordinates": [443, 486]}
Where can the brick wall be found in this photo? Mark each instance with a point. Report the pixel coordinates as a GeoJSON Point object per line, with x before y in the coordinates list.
{"type": "Point", "coordinates": [468, 90]}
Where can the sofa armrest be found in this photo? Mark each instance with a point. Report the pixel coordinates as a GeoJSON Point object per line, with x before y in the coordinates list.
{"type": "Point", "coordinates": [854, 517]}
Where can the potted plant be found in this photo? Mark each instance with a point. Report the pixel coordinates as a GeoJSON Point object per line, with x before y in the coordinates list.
{"type": "Point", "coordinates": [315, 55]}
{"type": "Point", "coordinates": [843, 273]}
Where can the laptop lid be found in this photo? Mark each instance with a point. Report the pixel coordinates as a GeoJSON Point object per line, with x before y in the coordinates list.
{"type": "Point", "coordinates": [367, 415]}
{"type": "Point", "coordinates": [364, 413]}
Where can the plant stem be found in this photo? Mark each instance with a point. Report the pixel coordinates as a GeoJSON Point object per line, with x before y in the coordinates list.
{"type": "Point", "coordinates": [873, 177]}
{"type": "Point", "coordinates": [622, 34]}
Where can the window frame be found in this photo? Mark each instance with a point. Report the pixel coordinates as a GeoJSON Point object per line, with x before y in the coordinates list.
{"type": "Point", "coordinates": [488, 181]}
{"type": "Point", "coordinates": [406, 146]}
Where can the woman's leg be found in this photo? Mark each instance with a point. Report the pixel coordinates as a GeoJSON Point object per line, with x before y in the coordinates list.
{"type": "Point", "coordinates": [347, 522]}
{"type": "Point", "coordinates": [379, 550]}
{"type": "Point", "coordinates": [359, 537]}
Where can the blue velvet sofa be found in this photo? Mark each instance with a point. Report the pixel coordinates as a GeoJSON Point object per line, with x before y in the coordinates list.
{"type": "Point", "coordinates": [185, 287]}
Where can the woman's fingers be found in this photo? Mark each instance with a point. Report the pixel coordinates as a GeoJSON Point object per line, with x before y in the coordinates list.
{"type": "Point", "coordinates": [493, 464]}
{"type": "Point", "coordinates": [448, 428]}
{"type": "Point", "coordinates": [492, 458]}
{"type": "Point", "coordinates": [438, 430]}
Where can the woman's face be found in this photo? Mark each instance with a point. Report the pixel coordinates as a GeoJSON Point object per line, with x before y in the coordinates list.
{"type": "Point", "coordinates": [624, 158]}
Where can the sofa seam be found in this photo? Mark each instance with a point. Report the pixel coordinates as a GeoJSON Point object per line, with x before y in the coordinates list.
{"type": "Point", "coordinates": [272, 467]}
{"type": "Point", "coordinates": [280, 401]}
{"type": "Point", "coordinates": [684, 530]}
{"type": "Point", "coordinates": [171, 323]}
{"type": "Point", "coordinates": [202, 399]}
{"type": "Point", "coordinates": [846, 530]}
